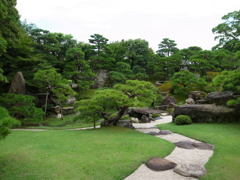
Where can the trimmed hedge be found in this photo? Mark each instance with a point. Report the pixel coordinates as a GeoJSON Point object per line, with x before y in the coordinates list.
{"type": "Point", "coordinates": [182, 120]}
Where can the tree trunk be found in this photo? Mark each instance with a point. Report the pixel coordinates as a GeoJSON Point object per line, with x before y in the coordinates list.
{"type": "Point", "coordinates": [113, 121]}
{"type": "Point", "coordinates": [46, 102]}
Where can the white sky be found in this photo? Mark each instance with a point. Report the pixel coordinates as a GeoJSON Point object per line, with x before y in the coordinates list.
{"type": "Point", "coordinates": [188, 22]}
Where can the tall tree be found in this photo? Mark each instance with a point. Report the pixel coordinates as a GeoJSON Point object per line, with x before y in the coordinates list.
{"type": "Point", "coordinates": [228, 32]}
{"type": "Point", "coordinates": [98, 42]}
{"type": "Point", "coordinates": [167, 47]}
{"type": "Point", "coordinates": [137, 51]}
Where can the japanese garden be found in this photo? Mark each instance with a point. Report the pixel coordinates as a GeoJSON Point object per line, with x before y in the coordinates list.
{"type": "Point", "coordinates": [103, 109]}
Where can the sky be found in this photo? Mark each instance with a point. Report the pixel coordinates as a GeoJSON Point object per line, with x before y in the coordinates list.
{"type": "Point", "coordinates": [187, 22]}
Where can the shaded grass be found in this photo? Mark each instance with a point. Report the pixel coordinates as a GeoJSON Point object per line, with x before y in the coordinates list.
{"type": "Point", "coordinates": [225, 163]}
{"type": "Point", "coordinates": [68, 122]}
{"type": "Point", "coordinates": [108, 153]}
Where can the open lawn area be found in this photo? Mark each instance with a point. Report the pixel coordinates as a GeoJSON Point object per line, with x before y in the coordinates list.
{"type": "Point", "coordinates": [102, 154]}
{"type": "Point", "coordinates": [225, 163]}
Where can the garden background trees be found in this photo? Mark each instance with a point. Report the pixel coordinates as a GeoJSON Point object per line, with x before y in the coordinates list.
{"type": "Point", "coordinates": [50, 61]}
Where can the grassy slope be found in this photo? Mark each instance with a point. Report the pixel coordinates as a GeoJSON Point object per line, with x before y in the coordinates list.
{"type": "Point", "coordinates": [109, 153]}
{"type": "Point", "coordinates": [225, 163]}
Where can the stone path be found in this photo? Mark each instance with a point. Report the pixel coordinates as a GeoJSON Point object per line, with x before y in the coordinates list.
{"type": "Point", "coordinates": [179, 155]}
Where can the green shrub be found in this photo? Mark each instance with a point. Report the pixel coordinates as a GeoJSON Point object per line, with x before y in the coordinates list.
{"type": "Point", "coordinates": [182, 120]}
{"type": "Point", "coordinates": [155, 115]}
{"type": "Point", "coordinates": [6, 122]}
{"type": "Point", "coordinates": [22, 107]}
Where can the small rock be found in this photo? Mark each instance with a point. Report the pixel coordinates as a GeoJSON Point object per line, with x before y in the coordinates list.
{"type": "Point", "coordinates": [185, 144]}
{"type": "Point", "coordinates": [164, 132]}
{"type": "Point", "coordinates": [203, 146]}
{"type": "Point", "coordinates": [190, 170]}
{"type": "Point", "coordinates": [189, 101]}
{"type": "Point", "coordinates": [135, 120]}
{"type": "Point", "coordinates": [59, 116]}
{"type": "Point", "coordinates": [160, 164]}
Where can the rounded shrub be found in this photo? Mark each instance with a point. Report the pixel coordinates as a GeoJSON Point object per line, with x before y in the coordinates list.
{"type": "Point", "coordinates": [182, 120]}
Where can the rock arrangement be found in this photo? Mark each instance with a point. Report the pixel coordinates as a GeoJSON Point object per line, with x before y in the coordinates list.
{"type": "Point", "coordinates": [18, 84]}
{"type": "Point", "coordinates": [184, 163]}
{"type": "Point", "coordinates": [212, 108]}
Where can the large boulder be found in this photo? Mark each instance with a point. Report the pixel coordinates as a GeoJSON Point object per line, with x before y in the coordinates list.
{"type": "Point", "coordinates": [159, 164]}
{"type": "Point", "coordinates": [169, 100]}
{"type": "Point", "coordinates": [218, 98]}
{"type": "Point", "coordinates": [190, 170]}
{"type": "Point", "coordinates": [205, 113]}
{"type": "Point", "coordinates": [101, 79]}
{"type": "Point", "coordinates": [18, 84]}
{"type": "Point", "coordinates": [145, 119]}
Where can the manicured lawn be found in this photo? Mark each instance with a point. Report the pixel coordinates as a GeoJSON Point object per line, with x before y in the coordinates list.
{"type": "Point", "coordinates": [225, 163]}
{"type": "Point", "coordinates": [102, 154]}
{"type": "Point", "coordinates": [68, 122]}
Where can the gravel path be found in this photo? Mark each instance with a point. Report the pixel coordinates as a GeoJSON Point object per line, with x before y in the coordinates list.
{"type": "Point", "coordinates": [179, 155]}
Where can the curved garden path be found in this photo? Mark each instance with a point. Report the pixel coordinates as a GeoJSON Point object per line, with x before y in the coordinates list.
{"type": "Point", "coordinates": [178, 155]}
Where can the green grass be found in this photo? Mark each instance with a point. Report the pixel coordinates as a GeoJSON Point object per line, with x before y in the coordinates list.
{"type": "Point", "coordinates": [101, 154]}
{"type": "Point", "coordinates": [225, 163]}
{"type": "Point", "coordinates": [68, 122]}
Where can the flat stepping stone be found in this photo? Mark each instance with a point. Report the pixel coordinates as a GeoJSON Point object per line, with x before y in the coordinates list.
{"type": "Point", "coordinates": [164, 132]}
{"type": "Point", "coordinates": [185, 144]}
{"type": "Point", "coordinates": [153, 133]}
{"type": "Point", "coordinates": [203, 146]}
{"type": "Point", "coordinates": [160, 164]}
{"type": "Point", "coordinates": [190, 170]}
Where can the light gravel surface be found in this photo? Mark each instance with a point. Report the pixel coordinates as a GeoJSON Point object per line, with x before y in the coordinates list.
{"type": "Point", "coordinates": [178, 155]}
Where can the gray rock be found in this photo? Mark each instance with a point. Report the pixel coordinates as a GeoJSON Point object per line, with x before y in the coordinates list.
{"type": "Point", "coordinates": [125, 123]}
{"type": "Point", "coordinates": [190, 170]}
{"type": "Point", "coordinates": [185, 144]}
{"type": "Point", "coordinates": [145, 119]}
{"type": "Point", "coordinates": [203, 146]}
{"type": "Point", "coordinates": [190, 101]}
{"type": "Point", "coordinates": [101, 78]}
{"type": "Point", "coordinates": [164, 132]}
{"type": "Point", "coordinates": [169, 101]}
{"type": "Point", "coordinates": [219, 98]}
{"type": "Point", "coordinates": [160, 164]}
{"type": "Point", "coordinates": [18, 84]}
{"type": "Point", "coordinates": [71, 100]}
{"type": "Point", "coordinates": [154, 133]}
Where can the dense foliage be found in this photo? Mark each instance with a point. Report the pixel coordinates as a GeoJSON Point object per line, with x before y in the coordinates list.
{"type": "Point", "coordinates": [112, 104]}
{"type": "Point", "coordinates": [53, 63]}
{"type": "Point", "coordinates": [6, 122]}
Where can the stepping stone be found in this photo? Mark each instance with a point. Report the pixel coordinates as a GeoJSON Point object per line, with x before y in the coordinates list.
{"type": "Point", "coordinates": [185, 144]}
{"type": "Point", "coordinates": [190, 170]}
{"type": "Point", "coordinates": [160, 164]}
{"type": "Point", "coordinates": [164, 132]}
{"type": "Point", "coordinates": [153, 133]}
{"type": "Point", "coordinates": [203, 146]}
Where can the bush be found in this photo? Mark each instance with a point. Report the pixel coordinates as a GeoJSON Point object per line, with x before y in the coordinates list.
{"type": "Point", "coordinates": [22, 107]}
{"type": "Point", "coordinates": [155, 115]}
{"type": "Point", "coordinates": [6, 122]}
{"type": "Point", "coordinates": [182, 120]}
